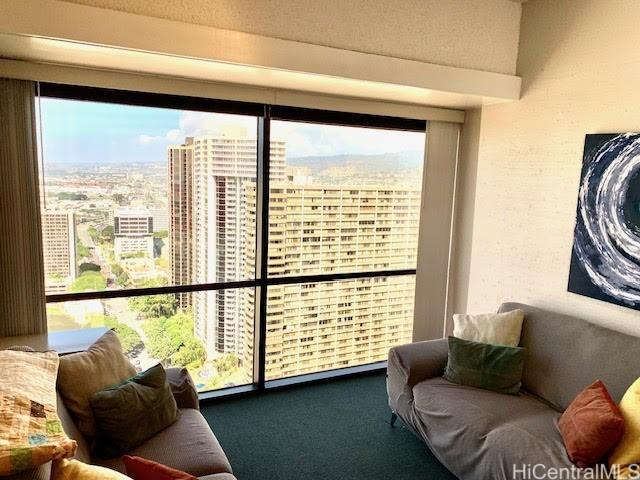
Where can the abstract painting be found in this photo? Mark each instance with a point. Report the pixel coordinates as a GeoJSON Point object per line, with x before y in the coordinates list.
{"type": "Point", "coordinates": [605, 263]}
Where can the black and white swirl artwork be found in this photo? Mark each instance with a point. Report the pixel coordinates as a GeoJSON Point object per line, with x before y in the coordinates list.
{"type": "Point", "coordinates": [605, 263]}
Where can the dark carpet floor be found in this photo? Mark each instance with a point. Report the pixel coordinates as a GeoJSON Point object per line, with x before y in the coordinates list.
{"type": "Point", "coordinates": [325, 431]}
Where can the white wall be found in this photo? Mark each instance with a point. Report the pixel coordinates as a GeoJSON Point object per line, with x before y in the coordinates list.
{"type": "Point", "coordinates": [476, 34]}
{"type": "Point", "coordinates": [580, 64]}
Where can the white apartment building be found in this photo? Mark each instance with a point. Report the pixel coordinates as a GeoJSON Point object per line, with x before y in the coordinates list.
{"type": "Point", "coordinates": [59, 250]}
{"type": "Point", "coordinates": [325, 229]}
{"type": "Point", "coordinates": [222, 165]}
{"type": "Point", "coordinates": [133, 230]}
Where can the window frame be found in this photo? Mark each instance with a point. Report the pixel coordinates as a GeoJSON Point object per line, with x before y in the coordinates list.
{"type": "Point", "coordinates": [264, 113]}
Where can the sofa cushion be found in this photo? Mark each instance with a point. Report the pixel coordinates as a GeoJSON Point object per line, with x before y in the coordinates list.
{"type": "Point", "coordinates": [83, 453]}
{"type": "Point", "coordinates": [591, 426]}
{"type": "Point", "coordinates": [43, 472]}
{"type": "Point", "coordinates": [31, 433]}
{"type": "Point", "coordinates": [82, 374]}
{"type": "Point", "coordinates": [143, 469]}
{"type": "Point", "coordinates": [183, 388]}
{"type": "Point", "coordinates": [494, 367]}
{"type": "Point", "coordinates": [188, 445]}
{"type": "Point", "coordinates": [557, 364]}
{"type": "Point", "coordinates": [131, 412]}
{"type": "Point", "coordinates": [482, 434]}
{"type": "Point", "coordinates": [495, 328]}
{"type": "Point", "coordinates": [75, 470]}
{"type": "Point", "coordinates": [627, 452]}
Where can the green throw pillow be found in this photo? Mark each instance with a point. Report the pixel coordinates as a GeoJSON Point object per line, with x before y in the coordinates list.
{"type": "Point", "coordinates": [482, 365]}
{"type": "Point", "coordinates": [131, 412]}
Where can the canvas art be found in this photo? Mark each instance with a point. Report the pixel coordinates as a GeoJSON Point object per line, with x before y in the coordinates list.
{"type": "Point", "coordinates": [605, 263]}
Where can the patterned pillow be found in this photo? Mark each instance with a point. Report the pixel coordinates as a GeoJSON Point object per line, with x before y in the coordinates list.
{"type": "Point", "coordinates": [30, 431]}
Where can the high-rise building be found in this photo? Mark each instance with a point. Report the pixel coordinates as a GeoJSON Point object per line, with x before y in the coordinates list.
{"type": "Point", "coordinates": [222, 165]}
{"type": "Point", "coordinates": [160, 219]}
{"type": "Point", "coordinates": [180, 191]}
{"type": "Point", "coordinates": [313, 327]}
{"type": "Point", "coordinates": [59, 250]}
{"type": "Point", "coordinates": [133, 230]}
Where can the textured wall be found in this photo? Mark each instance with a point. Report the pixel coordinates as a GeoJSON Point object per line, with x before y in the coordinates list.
{"type": "Point", "coordinates": [580, 64]}
{"type": "Point", "coordinates": [478, 34]}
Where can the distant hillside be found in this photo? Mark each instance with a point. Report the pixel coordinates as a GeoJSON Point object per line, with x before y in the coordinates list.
{"type": "Point", "coordinates": [379, 163]}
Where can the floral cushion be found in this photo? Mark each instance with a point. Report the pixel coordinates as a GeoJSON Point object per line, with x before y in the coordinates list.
{"type": "Point", "coordinates": [30, 431]}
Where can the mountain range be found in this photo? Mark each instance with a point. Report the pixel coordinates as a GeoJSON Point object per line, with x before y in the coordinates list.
{"type": "Point", "coordinates": [396, 162]}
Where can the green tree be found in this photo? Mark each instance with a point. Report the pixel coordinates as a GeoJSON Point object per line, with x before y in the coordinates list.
{"type": "Point", "coordinates": [122, 277]}
{"type": "Point", "coordinates": [160, 281]}
{"type": "Point", "coordinates": [93, 233]}
{"type": "Point", "coordinates": [127, 256]}
{"type": "Point", "coordinates": [158, 243]}
{"type": "Point", "coordinates": [82, 250]}
{"type": "Point", "coordinates": [191, 353]}
{"type": "Point", "coordinates": [129, 338]}
{"type": "Point", "coordinates": [227, 364]}
{"type": "Point", "coordinates": [89, 281]}
{"type": "Point", "coordinates": [158, 342]}
{"type": "Point", "coordinates": [161, 234]}
{"type": "Point", "coordinates": [108, 234]}
{"type": "Point", "coordinates": [172, 341]}
{"type": "Point", "coordinates": [154, 306]}
{"type": "Point", "coordinates": [71, 196]}
{"type": "Point", "coordinates": [89, 267]}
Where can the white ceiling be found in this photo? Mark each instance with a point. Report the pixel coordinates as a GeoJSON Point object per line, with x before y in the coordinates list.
{"type": "Point", "coordinates": [84, 36]}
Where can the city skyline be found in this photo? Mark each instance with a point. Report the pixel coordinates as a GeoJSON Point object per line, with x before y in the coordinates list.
{"type": "Point", "coordinates": [201, 194]}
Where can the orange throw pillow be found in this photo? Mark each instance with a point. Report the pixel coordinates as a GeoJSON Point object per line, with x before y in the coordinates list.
{"type": "Point", "coordinates": [591, 426]}
{"type": "Point", "coordinates": [142, 469]}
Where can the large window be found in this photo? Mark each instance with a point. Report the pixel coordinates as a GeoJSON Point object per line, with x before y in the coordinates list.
{"type": "Point", "coordinates": [344, 200]}
{"type": "Point", "coordinates": [246, 242]}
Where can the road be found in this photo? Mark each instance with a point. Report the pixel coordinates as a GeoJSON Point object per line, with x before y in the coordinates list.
{"type": "Point", "coordinates": [118, 308]}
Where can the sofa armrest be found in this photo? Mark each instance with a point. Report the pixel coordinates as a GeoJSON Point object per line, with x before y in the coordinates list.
{"type": "Point", "coordinates": [410, 364]}
{"type": "Point", "coordinates": [183, 388]}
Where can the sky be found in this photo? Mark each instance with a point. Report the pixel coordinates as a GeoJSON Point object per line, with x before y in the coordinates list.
{"type": "Point", "coordinates": [77, 132]}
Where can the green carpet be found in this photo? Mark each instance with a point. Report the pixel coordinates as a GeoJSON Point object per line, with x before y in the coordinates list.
{"type": "Point", "coordinates": [332, 430]}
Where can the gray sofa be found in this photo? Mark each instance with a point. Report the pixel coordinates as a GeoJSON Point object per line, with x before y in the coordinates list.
{"type": "Point", "coordinates": [479, 434]}
{"type": "Point", "coordinates": [188, 445]}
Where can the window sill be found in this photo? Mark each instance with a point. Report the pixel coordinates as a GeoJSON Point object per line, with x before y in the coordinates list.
{"type": "Point", "coordinates": [283, 383]}
{"type": "Point", "coordinates": [70, 341]}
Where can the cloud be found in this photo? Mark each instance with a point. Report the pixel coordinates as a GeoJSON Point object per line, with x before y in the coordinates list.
{"type": "Point", "coordinates": [303, 139]}
{"type": "Point", "coordinates": [204, 123]}
{"type": "Point", "coordinates": [174, 135]}
{"type": "Point", "coordinates": [147, 139]}
{"type": "Point", "coordinates": [308, 139]}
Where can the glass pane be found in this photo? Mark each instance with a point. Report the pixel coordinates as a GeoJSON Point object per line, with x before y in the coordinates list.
{"type": "Point", "coordinates": [166, 329]}
{"type": "Point", "coordinates": [137, 196]}
{"type": "Point", "coordinates": [323, 326]}
{"type": "Point", "coordinates": [343, 199]}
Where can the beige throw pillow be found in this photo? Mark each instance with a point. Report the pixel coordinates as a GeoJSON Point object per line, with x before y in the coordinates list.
{"type": "Point", "coordinates": [493, 328]}
{"type": "Point", "coordinates": [85, 373]}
